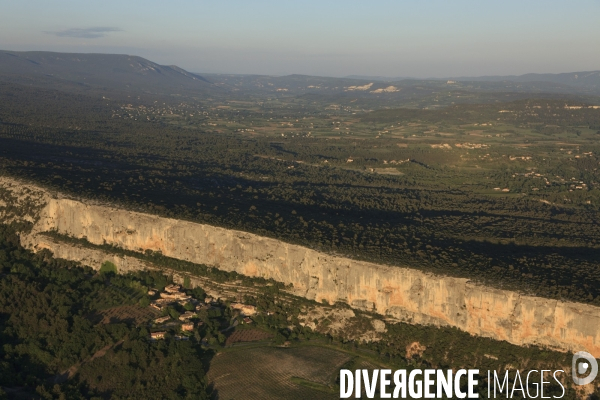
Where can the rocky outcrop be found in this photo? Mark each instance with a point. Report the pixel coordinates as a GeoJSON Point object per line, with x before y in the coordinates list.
{"type": "Point", "coordinates": [20, 202]}
{"type": "Point", "coordinates": [401, 293]}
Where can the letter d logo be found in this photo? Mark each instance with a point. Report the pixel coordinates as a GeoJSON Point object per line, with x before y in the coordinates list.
{"type": "Point", "coordinates": [583, 367]}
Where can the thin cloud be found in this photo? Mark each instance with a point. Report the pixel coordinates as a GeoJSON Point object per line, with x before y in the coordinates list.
{"type": "Point", "coordinates": [86, 33]}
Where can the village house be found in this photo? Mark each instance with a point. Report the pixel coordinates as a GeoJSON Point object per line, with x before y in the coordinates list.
{"type": "Point", "coordinates": [160, 304]}
{"type": "Point", "coordinates": [162, 319]}
{"type": "Point", "coordinates": [187, 327]}
{"type": "Point", "coordinates": [175, 296]}
{"type": "Point", "coordinates": [172, 288]}
{"type": "Point", "coordinates": [157, 335]}
{"type": "Point", "coordinates": [186, 315]}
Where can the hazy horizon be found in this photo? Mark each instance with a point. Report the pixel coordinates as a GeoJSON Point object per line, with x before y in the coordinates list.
{"type": "Point", "coordinates": [381, 39]}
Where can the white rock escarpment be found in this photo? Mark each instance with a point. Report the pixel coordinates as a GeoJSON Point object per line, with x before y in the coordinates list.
{"type": "Point", "coordinates": [402, 293]}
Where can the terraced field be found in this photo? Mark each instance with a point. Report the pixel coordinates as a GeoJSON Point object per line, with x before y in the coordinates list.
{"type": "Point", "coordinates": [128, 313]}
{"type": "Point", "coordinates": [276, 373]}
{"type": "Point", "coordinates": [247, 335]}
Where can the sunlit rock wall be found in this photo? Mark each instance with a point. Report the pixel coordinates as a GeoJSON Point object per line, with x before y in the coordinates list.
{"type": "Point", "coordinates": [402, 293]}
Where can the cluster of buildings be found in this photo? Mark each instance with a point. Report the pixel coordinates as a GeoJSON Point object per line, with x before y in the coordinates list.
{"type": "Point", "coordinates": [173, 294]}
{"type": "Point", "coordinates": [471, 146]}
{"type": "Point", "coordinates": [396, 162]}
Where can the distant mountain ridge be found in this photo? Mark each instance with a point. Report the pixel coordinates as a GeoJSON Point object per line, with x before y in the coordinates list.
{"type": "Point", "coordinates": [125, 75]}
{"type": "Point", "coordinates": [111, 71]}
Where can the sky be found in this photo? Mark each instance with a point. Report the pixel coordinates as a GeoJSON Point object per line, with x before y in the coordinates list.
{"type": "Point", "coordinates": [401, 38]}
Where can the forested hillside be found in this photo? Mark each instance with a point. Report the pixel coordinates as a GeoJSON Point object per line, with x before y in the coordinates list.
{"type": "Point", "coordinates": [106, 73]}
{"type": "Point", "coordinates": [504, 194]}
{"type": "Point", "coordinates": [52, 348]}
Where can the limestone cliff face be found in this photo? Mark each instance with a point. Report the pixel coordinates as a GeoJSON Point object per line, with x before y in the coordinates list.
{"type": "Point", "coordinates": [402, 293]}
{"type": "Point", "coordinates": [95, 257]}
